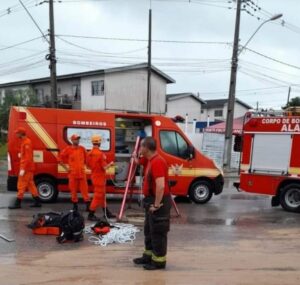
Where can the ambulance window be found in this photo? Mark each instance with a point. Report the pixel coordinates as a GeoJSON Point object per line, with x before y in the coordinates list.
{"type": "Point", "coordinates": [182, 146]}
{"type": "Point", "coordinates": [86, 135]}
{"type": "Point", "coordinates": [173, 143]}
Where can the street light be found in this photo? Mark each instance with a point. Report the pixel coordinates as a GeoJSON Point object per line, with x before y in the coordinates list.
{"type": "Point", "coordinates": [275, 17]}
{"type": "Point", "coordinates": [232, 85]}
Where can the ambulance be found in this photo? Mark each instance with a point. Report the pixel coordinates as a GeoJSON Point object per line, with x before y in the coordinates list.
{"type": "Point", "coordinates": [191, 173]}
{"type": "Point", "coordinates": [270, 157]}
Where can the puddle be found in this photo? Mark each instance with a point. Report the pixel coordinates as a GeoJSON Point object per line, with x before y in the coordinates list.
{"type": "Point", "coordinates": [242, 197]}
{"type": "Point", "coordinates": [238, 222]}
{"type": "Point", "coordinates": [8, 259]}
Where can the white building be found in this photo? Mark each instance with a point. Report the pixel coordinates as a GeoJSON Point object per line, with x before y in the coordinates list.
{"type": "Point", "coordinates": [217, 109]}
{"type": "Point", "coordinates": [122, 88]}
{"type": "Point", "coordinates": [184, 104]}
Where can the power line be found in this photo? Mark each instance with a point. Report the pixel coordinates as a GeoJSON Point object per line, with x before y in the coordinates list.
{"type": "Point", "coordinates": [17, 60]}
{"type": "Point", "coordinates": [266, 15]}
{"type": "Point", "coordinates": [265, 77]}
{"type": "Point", "coordinates": [270, 58]}
{"type": "Point", "coordinates": [143, 40]}
{"type": "Point", "coordinates": [204, 3]}
{"type": "Point", "coordinates": [159, 60]}
{"type": "Point", "coordinates": [36, 24]}
{"type": "Point", "coordinates": [100, 52]}
{"type": "Point", "coordinates": [245, 90]}
{"type": "Point", "coordinates": [21, 43]}
{"type": "Point", "coordinates": [264, 80]}
{"type": "Point", "coordinates": [73, 1]}
{"type": "Point", "coordinates": [16, 8]}
{"type": "Point", "coordinates": [267, 68]}
{"type": "Point", "coordinates": [22, 68]}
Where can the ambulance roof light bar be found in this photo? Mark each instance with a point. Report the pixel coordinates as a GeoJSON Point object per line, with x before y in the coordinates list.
{"type": "Point", "coordinates": [273, 113]}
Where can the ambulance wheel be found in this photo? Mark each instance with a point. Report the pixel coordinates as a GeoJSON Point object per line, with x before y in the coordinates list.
{"type": "Point", "coordinates": [201, 192]}
{"type": "Point", "coordinates": [47, 189]}
{"type": "Point", "coordinates": [290, 198]}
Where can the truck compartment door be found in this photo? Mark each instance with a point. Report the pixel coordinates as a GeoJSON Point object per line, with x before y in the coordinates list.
{"type": "Point", "coordinates": [271, 153]}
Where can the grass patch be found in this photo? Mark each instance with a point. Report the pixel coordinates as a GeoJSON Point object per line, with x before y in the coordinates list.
{"type": "Point", "coordinates": [3, 151]}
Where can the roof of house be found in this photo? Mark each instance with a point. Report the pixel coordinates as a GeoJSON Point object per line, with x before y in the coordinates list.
{"type": "Point", "coordinates": [220, 127]}
{"type": "Point", "coordinates": [210, 104]}
{"type": "Point", "coordinates": [91, 73]}
{"type": "Point", "coordinates": [172, 97]}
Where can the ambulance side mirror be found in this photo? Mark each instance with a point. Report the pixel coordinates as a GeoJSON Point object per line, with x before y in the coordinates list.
{"type": "Point", "coordinates": [238, 143]}
{"type": "Point", "coordinates": [190, 152]}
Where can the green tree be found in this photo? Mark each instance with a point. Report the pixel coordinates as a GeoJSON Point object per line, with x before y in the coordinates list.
{"type": "Point", "coordinates": [294, 102]}
{"type": "Point", "coordinates": [24, 97]}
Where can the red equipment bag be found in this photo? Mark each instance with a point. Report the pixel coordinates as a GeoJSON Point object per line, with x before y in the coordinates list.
{"type": "Point", "coordinates": [46, 224]}
{"type": "Point", "coordinates": [102, 227]}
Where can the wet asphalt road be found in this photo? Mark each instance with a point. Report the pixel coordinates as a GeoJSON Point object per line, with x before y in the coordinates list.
{"type": "Point", "coordinates": [230, 222]}
{"type": "Point", "coordinates": [225, 219]}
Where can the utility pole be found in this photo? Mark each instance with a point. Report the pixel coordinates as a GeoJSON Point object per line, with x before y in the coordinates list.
{"type": "Point", "coordinates": [149, 64]}
{"type": "Point", "coordinates": [232, 86]}
{"type": "Point", "coordinates": [52, 57]}
{"type": "Point", "coordinates": [257, 104]}
{"type": "Point", "coordinates": [288, 98]}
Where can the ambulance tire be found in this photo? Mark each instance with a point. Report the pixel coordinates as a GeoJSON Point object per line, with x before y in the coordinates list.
{"type": "Point", "coordinates": [290, 198]}
{"type": "Point", "coordinates": [201, 192]}
{"type": "Point", "coordinates": [47, 189]}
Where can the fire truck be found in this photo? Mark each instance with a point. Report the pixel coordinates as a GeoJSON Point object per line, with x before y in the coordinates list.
{"type": "Point", "coordinates": [270, 157]}
{"type": "Point", "coordinates": [191, 173]}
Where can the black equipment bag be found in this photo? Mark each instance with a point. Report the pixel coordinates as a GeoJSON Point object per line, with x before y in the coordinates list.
{"type": "Point", "coordinates": [72, 226]}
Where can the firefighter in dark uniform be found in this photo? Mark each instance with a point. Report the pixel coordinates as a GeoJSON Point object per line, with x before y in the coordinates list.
{"type": "Point", "coordinates": [157, 203]}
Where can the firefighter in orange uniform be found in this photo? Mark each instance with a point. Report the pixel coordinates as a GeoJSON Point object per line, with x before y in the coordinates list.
{"type": "Point", "coordinates": [96, 161]}
{"type": "Point", "coordinates": [75, 156]}
{"type": "Point", "coordinates": [25, 178]}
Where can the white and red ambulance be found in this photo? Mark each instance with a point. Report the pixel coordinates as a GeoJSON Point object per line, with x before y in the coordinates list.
{"type": "Point", "coordinates": [191, 173]}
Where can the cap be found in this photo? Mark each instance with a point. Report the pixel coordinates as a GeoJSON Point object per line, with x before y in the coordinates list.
{"type": "Point", "coordinates": [20, 131]}
{"type": "Point", "coordinates": [75, 137]}
{"type": "Point", "coordinates": [96, 139]}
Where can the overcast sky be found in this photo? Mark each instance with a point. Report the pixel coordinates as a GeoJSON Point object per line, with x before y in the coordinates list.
{"type": "Point", "coordinates": [192, 43]}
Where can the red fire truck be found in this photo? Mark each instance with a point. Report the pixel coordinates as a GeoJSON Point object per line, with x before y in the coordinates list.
{"type": "Point", "coordinates": [270, 157]}
{"type": "Point", "coordinates": [191, 173]}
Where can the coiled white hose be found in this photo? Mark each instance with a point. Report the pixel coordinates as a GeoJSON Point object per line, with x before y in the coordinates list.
{"type": "Point", "coordinates": [120, 233]}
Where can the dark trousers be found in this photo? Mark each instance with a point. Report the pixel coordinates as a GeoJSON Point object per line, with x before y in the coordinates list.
{"type": "Point", "coordinates": [156, 228]}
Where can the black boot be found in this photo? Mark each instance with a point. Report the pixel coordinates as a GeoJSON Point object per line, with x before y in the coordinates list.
{"type": "Point", "coordinates": [16, 205]}
{"type": "Point", "coordinates": [75, 207]}
{"type": "Point", "coordinates": [108, 213]}
{"type": "Point", "coordinates": [145, 259]}
{"type": "Point", "coordinates": [92, 217]}
{"type": "Point", "coordinates": [88, 203]}
{"type": "Point", "coordinates": [37, 203]}
{"type": "Point", "coordinates": [155, 265]}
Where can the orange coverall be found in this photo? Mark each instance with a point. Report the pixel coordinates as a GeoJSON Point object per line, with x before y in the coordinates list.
{"type": "Point", "coordinates": [96, 161]}
{"type": "Point", "coordinates": [75, 156]}
{"type": "Point", "coordinates": [26, 163]}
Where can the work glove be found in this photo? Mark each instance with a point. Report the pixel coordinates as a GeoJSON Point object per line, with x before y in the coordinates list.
{"type": "Point", "coordinates": [22, 172]}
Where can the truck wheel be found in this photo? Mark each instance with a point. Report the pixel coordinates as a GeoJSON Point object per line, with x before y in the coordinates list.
{"type": "Point", "coordinates": [46, 189]}
{"type": "Point", "coordinates": [201, 192]}
{"type": "Point", "coordinates": [290, 198]}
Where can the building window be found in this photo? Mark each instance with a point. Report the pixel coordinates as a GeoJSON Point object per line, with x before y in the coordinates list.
{"type": "Point", "coordinates": [58, 90]}
{"type": "Point", "coordinates": [40, 95]}
{"type": "Point", "coordinates": [202, 111]}
{"type": "Point", "coordinates": [98, 88]}
{"type": "Point", "coordinates": [76, 92]}
{"type": "Point", "coordinates": [218, 113]}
